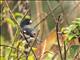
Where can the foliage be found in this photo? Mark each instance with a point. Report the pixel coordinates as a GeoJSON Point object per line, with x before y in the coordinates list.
{"type": "Point", "coordinates": [15, 48]}
{"type": "Point", "coordinates": [72, 31]}
{"type": "Point", "coordinates": [49, 56]}
{"type": "Point", "coordinates": [9, 21]}
{"type": "Point", "coordinates": [73, 50]}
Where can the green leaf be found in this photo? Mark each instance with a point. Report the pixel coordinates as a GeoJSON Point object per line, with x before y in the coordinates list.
{"type": "Point", "coordinates": [71, 37]}
{"type": "Point", "coordinates": [69, 29]}
{"type": "Point", "coordinates": [27, 17]}
{"type": "Point", "coordinates": [74, 49]}
{"type": "Point", "coordinates": [72, 27]}
{"type": "Point", "coordinates": [66, 42]}
{"type": "Point", "coordinates": [9, 21]}
{"type": "Point", "coordinates": [17, 14]}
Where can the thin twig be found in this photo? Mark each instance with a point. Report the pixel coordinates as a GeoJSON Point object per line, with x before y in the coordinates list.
{"type": "Point", "coordinates": [15, 6]}
{"type": "Point", "coordinates": [20, 56]}
{"type": "Point", "coordinates": [64, 13]}
{"type": "Point", "coordinates": [32, 46]}
{"type": "Point", "coordinates": [14, 21]}
{"type": "Point", "coordinates": [14, 16]}
{"type": "Point", "coordinates": [54, 56]}
{"type": "Point", "coordinates": [17, 50]}
{"type": "Point", "coordinates": [55, 20]}
{"type": "Point", "coordinates": [50, 9]}
{"type": "Point", "coordinates": [25, 14]}
{"type": "Point", "coordinates": [47, 15]}
{"type": "Point", "coordinates": [43, 50]}
{"type": "Point", "coordinates": [77, 54]}
{"type": "Point", "coordinates": [11, 47]}
{"type": "Point", "coordinates": [28, 45]}
{"type": "Point", "coordinates": [70, 13]}
{"type": "Point", "coordinates": [64, 51]}
{"type": "Point", "coordinates": [12, 13]}
{"type": "Point", "coordinates": [57, 30]}
{"type": "Point", "coordinates": [13, 43]}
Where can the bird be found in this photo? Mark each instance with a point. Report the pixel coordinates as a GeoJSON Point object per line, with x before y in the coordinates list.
{"type": "Point", "coordinates": [26, 26]}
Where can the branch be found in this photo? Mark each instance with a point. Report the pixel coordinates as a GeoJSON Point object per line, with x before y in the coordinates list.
{"type": "Point", "coordinates": [70, 13]}
{"type": "Point", "coordinates": [48, 13]}
{"type": "Point", "coordinates": [14, 21]}
{"type": "Point", "coordinates": [15, 6]}
{"type": "Point", "coordinates": [57, 30]}
{"type": "Point", "coordinates": [63, 12]}
{"type": "Point", "coordinates": [77, 55]}
{"type": "Point", "coordinates": [65, 50]}
{"type": "Point", "coordinates": [17, 50]}
{"type": "Point", "coordinates": [11, 47]}
{"type": "Point", "coordinates": [32, 46]}
{"type": "Point", "coordinates": [50, 9]}
{"type": "Point", "coordinates": [12, 13]}
{"type": "Point", "coordinates": [29, 46]}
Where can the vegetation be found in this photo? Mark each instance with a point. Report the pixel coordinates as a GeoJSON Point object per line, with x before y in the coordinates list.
{"type": "Point", "coordinates": [54, 33]}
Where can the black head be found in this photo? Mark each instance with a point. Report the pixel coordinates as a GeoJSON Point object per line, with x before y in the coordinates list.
{"type": "Point", "coordinates": [25, 22]}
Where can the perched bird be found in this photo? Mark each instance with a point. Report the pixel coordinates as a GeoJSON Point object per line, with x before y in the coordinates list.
{"type": "Point", "coordinates": [26, 26]}
{"type": "Point", "coordinates": [28, 30]}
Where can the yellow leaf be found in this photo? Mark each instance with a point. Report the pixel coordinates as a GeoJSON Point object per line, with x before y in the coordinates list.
{"type": "Point", "coordinates": [31, 57]}
{"type": "Point", "coordinates": [34, 49]}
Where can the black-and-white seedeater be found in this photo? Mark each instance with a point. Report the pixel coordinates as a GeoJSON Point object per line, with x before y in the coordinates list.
{"type": "Point", "coordinates": [26, 26]}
